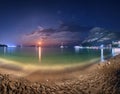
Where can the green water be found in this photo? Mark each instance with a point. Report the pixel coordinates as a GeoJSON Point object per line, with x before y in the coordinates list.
{"type": "Point", "coordinates": [51, 56]}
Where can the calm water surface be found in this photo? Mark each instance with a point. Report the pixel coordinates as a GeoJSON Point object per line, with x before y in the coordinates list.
{"type": "Point", "coordinates": [51, 56]}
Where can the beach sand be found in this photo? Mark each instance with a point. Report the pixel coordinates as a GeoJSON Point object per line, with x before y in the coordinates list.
{"type": "Point", "coordinates": [99, 78]}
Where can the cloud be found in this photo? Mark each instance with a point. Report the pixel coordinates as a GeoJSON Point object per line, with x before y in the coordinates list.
{"type": "Point", "coordinates": [65, 34]}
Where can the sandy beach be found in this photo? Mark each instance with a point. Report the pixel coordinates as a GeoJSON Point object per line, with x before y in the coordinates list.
{"type": "Point", "coordinates": [95, 78]}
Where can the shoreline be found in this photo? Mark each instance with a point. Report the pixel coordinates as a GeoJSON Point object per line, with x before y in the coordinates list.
{"type": "Point", "coordinates": [26, 69]}
{"type": "Point", "coordinates": [43, 74]}
{"type": "Point", "coordinates": [102, 78]}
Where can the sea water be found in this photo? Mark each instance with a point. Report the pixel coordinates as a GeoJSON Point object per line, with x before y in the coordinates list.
{"type": "Point", "coordinates": [52, 55]}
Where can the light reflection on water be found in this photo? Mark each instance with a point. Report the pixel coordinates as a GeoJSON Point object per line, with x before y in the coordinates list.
{"type": "Point", "coordinates": [113, 52]}
{"type": "Point", "coordinates": [53, 55]}
{"type": "Point", "coordinates": [5, 50]}
{"type": "Point", "coordinates": [77, 50]}
{"type": "Point", "coordinates": [102, 55]}
{"type": "Point", "coordinates": [39, 53]}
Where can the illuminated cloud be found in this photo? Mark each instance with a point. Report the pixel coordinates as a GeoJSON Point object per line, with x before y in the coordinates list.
{"type": "Point", "coordinates": [64, 34]}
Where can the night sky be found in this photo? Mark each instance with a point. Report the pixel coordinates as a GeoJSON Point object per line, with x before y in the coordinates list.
{"type": "Point", "coordinates": [18, 17]}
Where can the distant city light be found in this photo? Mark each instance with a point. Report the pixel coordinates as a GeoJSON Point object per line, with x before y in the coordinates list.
{"type": "Point", "coordinates": [78, 47]}
{"type": "Point", "coordinates": [101, 45]}
{"type": "Point", "coordinates": [11, 45]}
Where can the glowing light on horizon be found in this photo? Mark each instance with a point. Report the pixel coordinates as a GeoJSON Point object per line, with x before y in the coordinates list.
{"type": "Point", "coordinates": [39, 43]}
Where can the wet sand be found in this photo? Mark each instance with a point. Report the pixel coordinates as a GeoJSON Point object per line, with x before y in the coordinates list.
{"type": "Point", "coordinates": [102, 78]}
